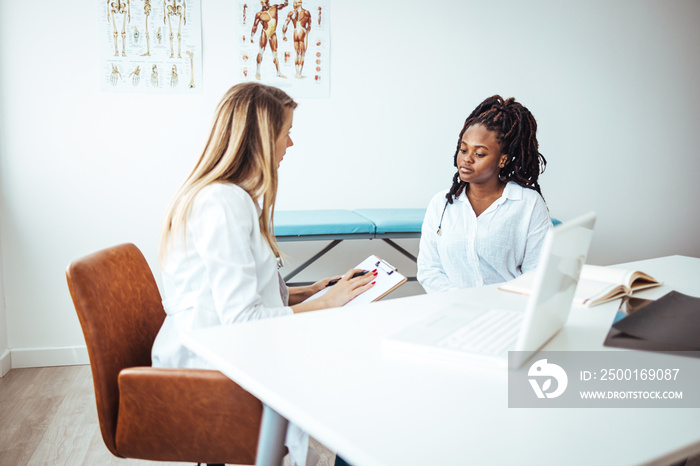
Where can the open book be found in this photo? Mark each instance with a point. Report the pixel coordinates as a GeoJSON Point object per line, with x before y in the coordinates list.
{"type": "Point", "coordinates": [387, 280]}
{"type": "Point", "coordinates": [597, 284]}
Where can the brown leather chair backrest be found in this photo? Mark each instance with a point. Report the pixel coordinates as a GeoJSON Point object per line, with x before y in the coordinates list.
{"type": "Point", "coordinates": [120, 311]}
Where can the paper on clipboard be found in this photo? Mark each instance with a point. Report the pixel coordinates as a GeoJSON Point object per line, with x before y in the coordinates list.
{"type": "Point", "coordinates": [387, 280]}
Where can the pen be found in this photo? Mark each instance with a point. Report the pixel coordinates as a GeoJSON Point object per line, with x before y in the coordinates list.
{"type": "Point", "coordinates": [356, 274]}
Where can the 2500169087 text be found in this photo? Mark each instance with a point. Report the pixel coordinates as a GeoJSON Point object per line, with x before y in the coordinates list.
{"type": "Point", "coordinates": [638, 374]}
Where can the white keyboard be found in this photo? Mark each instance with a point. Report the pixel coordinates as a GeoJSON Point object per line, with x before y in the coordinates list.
{"type": "Point", "coordinates": [492, 333]}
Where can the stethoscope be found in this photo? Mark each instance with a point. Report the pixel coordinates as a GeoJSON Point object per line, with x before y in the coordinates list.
{"type": "Point", "coordinates": [439, 230]}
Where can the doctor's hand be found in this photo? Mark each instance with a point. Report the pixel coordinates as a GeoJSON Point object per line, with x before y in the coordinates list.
{"type": "Point", "coordinates": [345, 289]}
{"type": "Point", "coordinates": [348, 287]}
{"type": "Point", "coordinates": [321, 284]}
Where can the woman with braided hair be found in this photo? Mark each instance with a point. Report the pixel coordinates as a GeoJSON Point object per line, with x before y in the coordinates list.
{"type": "Point", "coordinates": [490, 225]}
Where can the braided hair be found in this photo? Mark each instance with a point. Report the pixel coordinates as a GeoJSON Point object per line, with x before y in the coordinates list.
{"type": "Point", "coordinates": [515, 129]}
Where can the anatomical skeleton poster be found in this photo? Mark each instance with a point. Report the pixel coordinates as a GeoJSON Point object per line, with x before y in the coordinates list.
{"type": "Point", "coordinates": [285, 45]}
{"type": "Point", "coordinates": [150, 46]}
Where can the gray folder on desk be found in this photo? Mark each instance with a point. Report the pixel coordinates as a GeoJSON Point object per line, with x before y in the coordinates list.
{"type": "Point", "coordinates": [671, 323]}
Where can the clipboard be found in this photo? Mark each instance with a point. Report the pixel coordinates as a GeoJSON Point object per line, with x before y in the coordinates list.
{"type": "Point", "coordinates": [387, 280]}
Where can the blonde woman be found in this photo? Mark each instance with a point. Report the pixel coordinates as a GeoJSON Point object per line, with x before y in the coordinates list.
{"type": "Point", "coordinates": [218, 254]}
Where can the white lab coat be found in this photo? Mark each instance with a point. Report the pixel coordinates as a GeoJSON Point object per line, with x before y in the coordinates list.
{"type": "Point", "coordinates": [223, 273]}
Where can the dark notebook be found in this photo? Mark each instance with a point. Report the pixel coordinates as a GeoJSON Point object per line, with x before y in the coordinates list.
{"type": "Point", "coordinates": [671, 323]}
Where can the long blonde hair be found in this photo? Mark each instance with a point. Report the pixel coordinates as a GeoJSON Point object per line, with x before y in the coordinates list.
{"type": "Point", "coordinates": [240, 150]}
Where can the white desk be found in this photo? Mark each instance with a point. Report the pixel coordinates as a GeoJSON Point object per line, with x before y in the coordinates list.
{"type": "Point", "coordinates": [326, 372]}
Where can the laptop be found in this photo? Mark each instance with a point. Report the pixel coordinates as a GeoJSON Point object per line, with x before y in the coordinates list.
{"type": "Point", "coordinates": [479, 335]}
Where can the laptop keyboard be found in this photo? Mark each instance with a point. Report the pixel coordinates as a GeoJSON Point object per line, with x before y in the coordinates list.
{"type": "Point", "coordinates": [492, 333]}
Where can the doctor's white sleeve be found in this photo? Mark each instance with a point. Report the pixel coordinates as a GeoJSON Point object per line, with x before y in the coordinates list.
{"type": "Point", "coordinates": [225, 237]}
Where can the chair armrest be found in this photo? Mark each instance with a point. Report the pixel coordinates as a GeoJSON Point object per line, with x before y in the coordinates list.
{"type": "Point", "coordinates": [192, 415]}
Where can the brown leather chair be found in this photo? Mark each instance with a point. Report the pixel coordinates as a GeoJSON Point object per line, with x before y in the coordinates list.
{"type": "Point", "coordinates": [187, 415]}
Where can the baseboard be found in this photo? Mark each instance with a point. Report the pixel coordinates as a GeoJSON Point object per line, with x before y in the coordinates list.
{"type": "Point", "coordinates": [44, 357]}
{"type": "Point", "coordinates": [5, 363]}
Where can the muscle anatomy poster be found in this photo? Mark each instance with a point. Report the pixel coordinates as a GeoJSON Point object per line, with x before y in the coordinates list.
{"type": "Point", "coordinates": [285, 45]}
{"type": "Point", "coordinates": [150, 46]}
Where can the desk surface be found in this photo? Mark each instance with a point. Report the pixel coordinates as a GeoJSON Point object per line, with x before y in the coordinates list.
{"type": "Point", "coordinates": [325, 371]}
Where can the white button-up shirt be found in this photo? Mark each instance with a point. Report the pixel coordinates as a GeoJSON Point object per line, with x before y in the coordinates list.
{"type": "Point", "coordinates": [498, 245]}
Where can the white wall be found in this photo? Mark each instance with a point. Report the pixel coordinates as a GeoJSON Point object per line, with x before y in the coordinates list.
{"type": "Point", "coordinates": [5, 355]}
{"type": "Point", "coordinates": [612, 84]}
